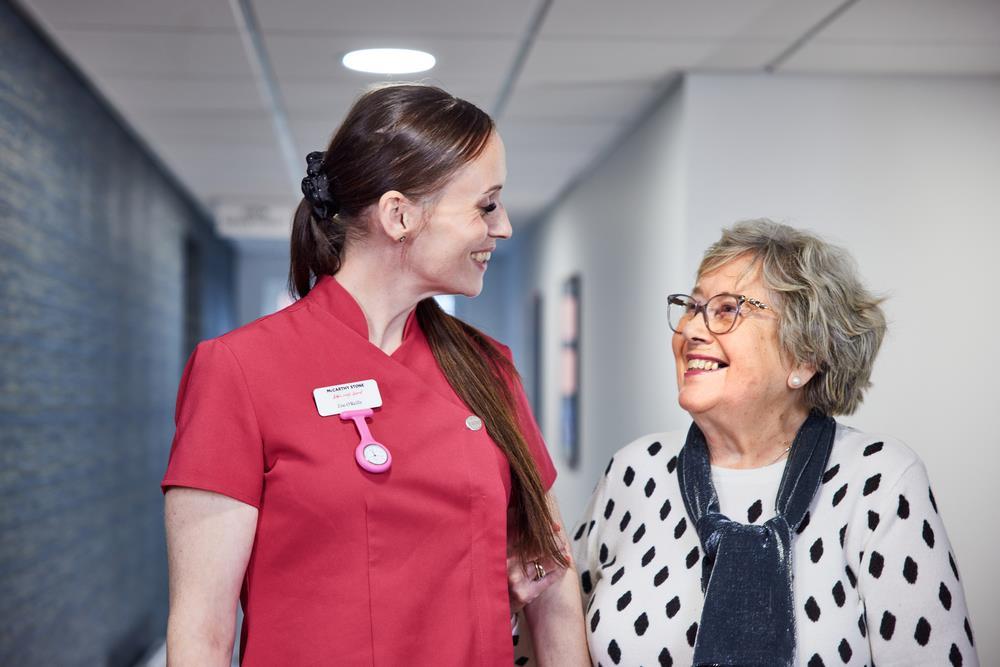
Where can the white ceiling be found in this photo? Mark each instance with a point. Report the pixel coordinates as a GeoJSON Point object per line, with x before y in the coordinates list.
{"type": "Point", "coordinates": [178, 70]}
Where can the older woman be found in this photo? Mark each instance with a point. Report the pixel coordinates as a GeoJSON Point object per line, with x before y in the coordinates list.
{"type": "Point", "coordinates": [770, 534]}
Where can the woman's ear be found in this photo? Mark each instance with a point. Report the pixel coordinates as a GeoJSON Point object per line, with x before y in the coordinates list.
{"type": "Point", "coordinates": [800, 375]}
{"type": "Point", "coordinates": [396, 215]}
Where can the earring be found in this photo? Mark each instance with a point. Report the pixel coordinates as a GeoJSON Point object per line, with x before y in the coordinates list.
{"type": "Point", "coordinates": [796, 381]}
{"type": "Point", "coordinates": [402, 239]}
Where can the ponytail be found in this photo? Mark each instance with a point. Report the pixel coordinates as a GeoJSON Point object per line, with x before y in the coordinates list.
{"type": "Point", "coordinates": [481, 375]}
{"type": "Point", "coordinates": [316, 250]}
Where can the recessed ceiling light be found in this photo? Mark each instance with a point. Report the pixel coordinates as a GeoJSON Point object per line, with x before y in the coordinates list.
{"type": "Point", "coordinates": [389, 61]}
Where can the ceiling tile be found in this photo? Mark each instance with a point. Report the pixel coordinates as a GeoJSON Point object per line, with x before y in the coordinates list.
{"type": "Point", "coordinates": [906, 58]}
{"type": "Point", "coordinates": [611, 61]}
{"type": "Point", "coordinates": [166, 94]}
{"type": "Point", "coordinates": [934, 21]}
{"type": "Point", "coordinates": [208, 128]}
{"type": "Point", "coordinates": [182, 54]}
{"type": "Point", "coordinates": [401, 19]}
{"type": "Point", "coordinates": [580, 101]}
{"type": "Point", "coordinates": [175, 14]}
{"type": "Point", "coordinates": [659, 19]}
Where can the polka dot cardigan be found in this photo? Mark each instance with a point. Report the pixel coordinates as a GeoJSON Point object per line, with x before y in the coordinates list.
{"type": "Point", "coordinates": [875, 580]}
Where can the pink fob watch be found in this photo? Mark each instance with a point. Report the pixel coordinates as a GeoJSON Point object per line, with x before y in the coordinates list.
{"type": "Point", "coordinates": [370, 455]}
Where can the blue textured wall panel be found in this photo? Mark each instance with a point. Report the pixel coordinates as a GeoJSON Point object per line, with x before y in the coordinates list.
{"type": "Point", "coordinates": [93, 340]}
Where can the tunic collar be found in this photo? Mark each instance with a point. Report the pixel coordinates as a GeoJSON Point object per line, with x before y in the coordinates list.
{"type": "Point", "coordinates": [331, 296]}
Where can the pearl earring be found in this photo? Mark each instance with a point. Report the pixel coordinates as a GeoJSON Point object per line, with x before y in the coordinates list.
{"type": "Point", "coordinates": [796, 381]}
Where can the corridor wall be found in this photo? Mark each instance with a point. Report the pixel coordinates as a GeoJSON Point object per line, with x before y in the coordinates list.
{"type": "Point", "coordinates": [109, 272]}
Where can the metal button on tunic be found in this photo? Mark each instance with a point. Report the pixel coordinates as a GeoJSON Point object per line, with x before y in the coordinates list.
{"type": "Point", "coordinates": [473, 423]}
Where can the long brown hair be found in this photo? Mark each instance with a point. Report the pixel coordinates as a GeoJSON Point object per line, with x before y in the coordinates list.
{"type": "Point", "coordinates": [414, 138]}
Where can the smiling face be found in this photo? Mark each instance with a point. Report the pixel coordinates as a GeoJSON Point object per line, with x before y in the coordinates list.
{"type": "Point", "coordinates": [735, 377]}
{"type": "Point", "coordinates": [450, 252]}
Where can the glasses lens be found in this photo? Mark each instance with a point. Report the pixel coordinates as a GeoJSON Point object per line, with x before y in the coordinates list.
{"type": "Point", "coordinates": [680, 309]}
{"type": "Point", "coordinates": [721, 311]}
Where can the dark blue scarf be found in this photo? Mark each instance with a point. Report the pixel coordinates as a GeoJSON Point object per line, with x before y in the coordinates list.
{"type": "Point", "coordinates": [748, 618]}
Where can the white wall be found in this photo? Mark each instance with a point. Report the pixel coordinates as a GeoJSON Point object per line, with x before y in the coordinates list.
{"type": "Point", "coordinates": [904, 172]}
{"type": "Point", "coordinates": [621, 230]}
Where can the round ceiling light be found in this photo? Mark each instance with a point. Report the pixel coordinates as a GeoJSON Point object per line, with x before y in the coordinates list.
{"type": "Point", "coordinates": [389, 61]}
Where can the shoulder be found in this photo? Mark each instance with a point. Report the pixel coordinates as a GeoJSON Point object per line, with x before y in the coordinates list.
{"type": "Point", "coordinates": [263, 333]}
{"type": "Point", "coordinates": [653, 455]}
{"type": "Point", "coordinates": [640, 451]}
{"type": "Point", "coordinates": [868, 466]}
{"type": "Point", "coordinates": [871, 452]}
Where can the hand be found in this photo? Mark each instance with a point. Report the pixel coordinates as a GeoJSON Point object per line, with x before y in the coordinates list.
{"type": "Point", "coordinates": [523, 581]}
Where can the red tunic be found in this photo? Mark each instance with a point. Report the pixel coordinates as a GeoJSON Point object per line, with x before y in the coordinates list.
{"type": "Point", "coordinates": [348, 567]}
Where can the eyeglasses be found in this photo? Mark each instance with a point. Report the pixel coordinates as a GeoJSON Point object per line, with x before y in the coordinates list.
{"type": "Point", "coordinates": [720, 312]}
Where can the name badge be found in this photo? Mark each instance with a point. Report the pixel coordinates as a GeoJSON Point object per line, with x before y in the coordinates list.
{"type": "Point", "coordinates": [339, 398]}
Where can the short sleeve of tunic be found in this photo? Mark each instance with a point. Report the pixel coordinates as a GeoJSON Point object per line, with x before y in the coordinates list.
{"type": "Point", "coordinates": [529, 427]}
{"type": "Point", "coordinates": [217, 445]}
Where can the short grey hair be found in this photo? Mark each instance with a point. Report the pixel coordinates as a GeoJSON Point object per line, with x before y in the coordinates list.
{"type": "Point", "coordinates": [828, 318]}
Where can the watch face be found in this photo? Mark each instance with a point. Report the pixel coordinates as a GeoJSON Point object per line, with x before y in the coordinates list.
{"type": "Point", "coordinates": [376, 454]}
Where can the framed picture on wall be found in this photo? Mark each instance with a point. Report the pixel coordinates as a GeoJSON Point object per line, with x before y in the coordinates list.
{"type": "Point", "coordinates": [536, 347]}
{"type": "Point", "coordinates": [569, 371]}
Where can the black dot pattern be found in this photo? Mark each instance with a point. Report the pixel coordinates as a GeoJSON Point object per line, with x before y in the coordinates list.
{"type": "Point", "coordinates": [872, 484]}
{"type": "Point", "coordinates": [928, 534]}
{"type": "Point", "coordinates": [816, 550]}
{"type": "Point", "coordinates": [923, 632]}
{"type": "Point", "coordinates": [839, 594]}
{"type": "Point", "coordinates": [812, 609]}
{"type": "Point", "coordinates": [955, 656]}
{"type": "Point", "coordinates": [844, 649]}
{"type": "Point", "coordinates": [873, 448]}
{"type": "Point", "coordinates": [875, 579]}
{"type": "Point", "coordinates": [614, 652]}
{"type": "Point", "coordinates": [639, 533]}
{"type": "Point", "coordinates": [673, 606]}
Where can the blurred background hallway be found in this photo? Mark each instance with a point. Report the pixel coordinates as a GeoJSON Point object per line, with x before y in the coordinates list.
{"type": "Point", "coordinates": [150, 159]}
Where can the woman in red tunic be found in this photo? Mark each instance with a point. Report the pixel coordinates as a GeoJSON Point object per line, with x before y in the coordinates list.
{"type": "Point", "coordinates": [357, 468]}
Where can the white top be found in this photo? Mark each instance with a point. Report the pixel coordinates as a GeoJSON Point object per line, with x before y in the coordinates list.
{"type": "Point", "coordinates": [875, 580]}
